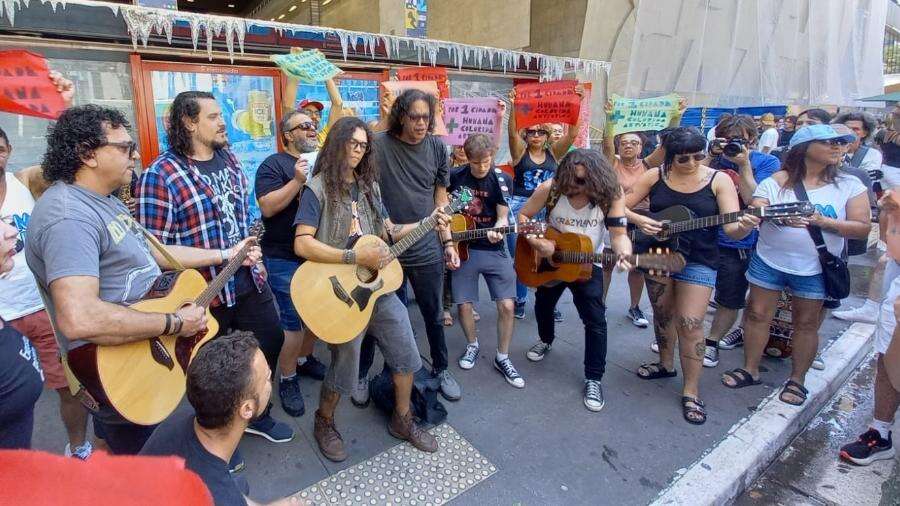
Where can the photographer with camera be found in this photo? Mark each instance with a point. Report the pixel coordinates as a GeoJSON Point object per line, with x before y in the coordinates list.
{"type": "Point", "coordinates": [731, 153]}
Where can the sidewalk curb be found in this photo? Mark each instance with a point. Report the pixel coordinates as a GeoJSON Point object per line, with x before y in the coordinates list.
{"type": "Point", "coordinates": [727, 468]}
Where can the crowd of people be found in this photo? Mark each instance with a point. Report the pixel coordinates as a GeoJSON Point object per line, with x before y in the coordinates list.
{"type": "Point", "coordinates": [86, 255]}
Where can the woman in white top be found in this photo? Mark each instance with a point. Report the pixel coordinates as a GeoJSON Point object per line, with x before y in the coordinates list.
{"type": "Point", "coordinates": [786, 255]}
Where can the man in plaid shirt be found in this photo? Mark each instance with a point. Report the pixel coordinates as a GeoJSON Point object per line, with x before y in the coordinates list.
{"type": "Point", "coordinates": [195, 194]}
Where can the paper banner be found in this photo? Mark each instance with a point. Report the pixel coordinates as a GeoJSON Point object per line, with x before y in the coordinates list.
{"type": "Point", "coordinates": [429, 87]}
{"type": "Point", "coordinates": [25, 86]}
{"type": "Point", "coordinates": [436, 74]}
{"type": "Point", "coordinates": [466, 116]}
{"type": "Point", "coordinates": [549, 102]}
{"type": "Point", "coordinates": [639, 114]}
{"type": "Point", "coordinates": [308, 66]}
{"type": "Point", "coordinates": [583, 140]}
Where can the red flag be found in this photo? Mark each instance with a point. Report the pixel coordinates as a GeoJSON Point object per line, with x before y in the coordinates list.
{"type": "Point", "coordinates": [25, 86]}
{"type": "Point", "coordinates": [436, 74]}
{"type": "Point", "coordinates": [550, 102]}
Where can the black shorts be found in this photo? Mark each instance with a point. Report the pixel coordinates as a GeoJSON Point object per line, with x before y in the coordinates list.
{"type": "Point", "coordinates": [731, 278]}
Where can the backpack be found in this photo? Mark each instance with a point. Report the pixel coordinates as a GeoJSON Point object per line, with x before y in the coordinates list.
{"type": "Point", "coordinates": [424, 403]}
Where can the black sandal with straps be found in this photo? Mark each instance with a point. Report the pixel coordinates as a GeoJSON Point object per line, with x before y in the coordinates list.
{"type": "Point", "coordinates": [655, 370]}
{"type": "Point", "coordinates": [693, 410]}
{"type": "Point", "coordinates": [795, 389]}
{"type": "Point", "coordinates": [741, 379]}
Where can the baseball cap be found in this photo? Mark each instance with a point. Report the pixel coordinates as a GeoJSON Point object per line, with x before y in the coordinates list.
{"type": "Point", "coordinates": [767, 119]}
{"type": "Point", "coordinates": [306, 102]}
{"type": "Point", "coordinates": [818, 133]}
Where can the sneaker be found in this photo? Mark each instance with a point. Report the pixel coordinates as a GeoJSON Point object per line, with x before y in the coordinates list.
{"type": "Point", "coordinates": [271, 429]}
{"type": "Point", "coordinates": [868, 448]}
{"type": "Point", "coordinates": [711, 357]}
{"type": "Point", "coordinates": [520, 311]}
{"type": "Point", "coordinates": [291, 396]}
{"type": "Point", "coordinates": [861, 314]}
{"type": "Point", "coordinates": [467, 361]}
{"type": "Point", "coordinates": [654, 346]}
{"type": "Point", "coordinates": [81, 452]}
{"type": "Point", "coordinates": [509, 372]}
{"type": "Point", "coordinates": [537, 352]}
{"type": "Point", "coordinates": [312, 368]}
{"type": "Point", "coordinates": [558, 316]}
{"type": "Point", "coordinates": [593, 395]}
{"type": "Point", "coordinates": [733, 339]}
{"type": "Point", "coordinates": [360, 394]}
{"type": "Point", "coordinates": [450, 388]}
{"type": "Point", "coordinates": [638, 318]}
{"type": "Point", "coordinates": [817, 363]}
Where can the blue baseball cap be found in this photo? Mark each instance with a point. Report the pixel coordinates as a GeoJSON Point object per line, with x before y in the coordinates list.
{"type": "Point", "coordinates": [818, 133]}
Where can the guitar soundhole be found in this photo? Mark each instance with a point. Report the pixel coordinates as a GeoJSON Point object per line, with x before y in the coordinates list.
{"type": "Point", "coordinates": [366, 275]}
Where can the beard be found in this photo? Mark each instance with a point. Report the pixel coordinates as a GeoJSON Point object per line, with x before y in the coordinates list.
{"type": "Point", "coordinates": [306, 145]}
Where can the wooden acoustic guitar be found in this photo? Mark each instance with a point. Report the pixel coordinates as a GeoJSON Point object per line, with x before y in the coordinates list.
{"type": "Point", "coordinates": [463, 229]}
{"type": "Point", "coordinates": [145, 380]}
{"type": "Point", "coordinates": [335, 301]}
{"type": "Point", "coordinates": [574, 257]}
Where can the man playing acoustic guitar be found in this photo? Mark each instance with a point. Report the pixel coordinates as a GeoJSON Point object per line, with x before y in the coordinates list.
{"type": "Point", "coordinates": [91, 258]}
{"type": "Point", "coordinates": [340, 203]}
{"type": "Point", "coordinates": [584, 197]}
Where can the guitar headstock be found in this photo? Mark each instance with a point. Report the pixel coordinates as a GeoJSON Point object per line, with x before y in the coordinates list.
{"type": "Point", "coordinates": [789, 210]}
{"type": "Point", "coordinates": [459, 199]}
{"type": "Point", "coordinates": [661, 262]}
{"type": "Point", "coordinates": [533, 228]}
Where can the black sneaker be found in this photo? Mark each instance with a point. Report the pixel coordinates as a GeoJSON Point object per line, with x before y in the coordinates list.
{"type": "Point", "coordinates": [558, 316]}
{"type": "Point", "coordinates": [637, 317]}
{"type": "Point", "coordinates": [312, 368]}
{"type": "Point", "coordinates": [593, 395]}
{"type": "Point", "coordinates": [733, 339]}
{"type": "Point", "coordinates": [291, 396]}
{"type": "Point", "coordinates": [271, 429]}
{"type": "Point", "coordinates": [520, 311]}
{"type": "Point", "coordinates": [868, 448]}
{"type": "Point", "coordinates": [509, 372]}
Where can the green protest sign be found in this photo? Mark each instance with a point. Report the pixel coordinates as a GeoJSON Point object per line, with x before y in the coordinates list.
{"type": "Point", "coordinates": [308, 66]}
{"type": "Point", "coordinates": [639, 114]}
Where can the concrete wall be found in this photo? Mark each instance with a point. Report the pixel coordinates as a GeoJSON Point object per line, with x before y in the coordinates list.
{"type": "Point", "coordinates": [556, 26]}
{"type": "Point", "coordinates": [485, 23]}
{"type": "Point", "coordinates": [361, 15]}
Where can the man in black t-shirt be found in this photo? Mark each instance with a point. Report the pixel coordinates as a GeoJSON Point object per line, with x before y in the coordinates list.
{"type": "Point", "coordinates": [278, 182]}
{"type": "Point", "coordinates": [487, 257]}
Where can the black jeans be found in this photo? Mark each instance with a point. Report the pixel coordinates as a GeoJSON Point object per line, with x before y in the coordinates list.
{"type": "Point", "coordinates": [588, 297]}
{"type": "Point", "coordinates": [254, 312]}
{"type": "Point", "coordinates": [427, 283]}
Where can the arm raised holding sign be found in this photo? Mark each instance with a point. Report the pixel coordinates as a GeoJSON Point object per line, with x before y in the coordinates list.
{"type": "Point", "coordinates": [561, 147]}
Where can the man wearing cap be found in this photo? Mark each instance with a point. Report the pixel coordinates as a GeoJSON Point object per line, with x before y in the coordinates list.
{"type": "Point", "coordinates": [768, 140]}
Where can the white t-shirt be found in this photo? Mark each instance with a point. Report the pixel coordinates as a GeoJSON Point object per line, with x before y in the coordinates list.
{"type": "Point", "coordinates": [768, 139]}
{"type": "Point", "coordinates": [19, 295]}
{"type": "Point", "coordinates": [871, 160]}
{"type": "Point", "coordinates": [588, 220]}
{"type": "Point", "coordinates": [791, 249]}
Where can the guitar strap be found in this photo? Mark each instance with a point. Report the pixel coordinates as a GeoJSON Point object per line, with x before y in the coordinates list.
{"type": "Point", "coordinates": [159, 247]}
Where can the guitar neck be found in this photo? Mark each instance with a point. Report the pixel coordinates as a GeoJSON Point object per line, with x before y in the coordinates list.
{"type": "Point", "coordinates": [424, 228]}
{"type": "Point", "coordinates": [218, 283]}
{"type": "Point", "coordinates": [711, 221]}
{"type": "Point", "coordinates": [580, 257]}
{"type": "Point", "coordinates": [481, 233]}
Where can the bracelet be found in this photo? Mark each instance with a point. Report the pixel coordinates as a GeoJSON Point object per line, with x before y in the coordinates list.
{"type": "Point", "coordinates": [168, 328]}
{"type": "Point", "coordinates": [178, 324]}
{"type": "Point", "coordinates": [349, 257]}
{"type": "Point", "coordinates": [223, 256]}
{"type": "Point", "coordinates": [447, 242]}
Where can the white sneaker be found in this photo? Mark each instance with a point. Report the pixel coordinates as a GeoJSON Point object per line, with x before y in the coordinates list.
{"type": "Point", "coordinates": [654, 346]}
{"type": "Point", "coordinates": [817, 363]}
{"type": "Point", "coordinates": [82, 452]}
{"type": "Point", "coordinates": [467, 360]}
{"type": "Point", "coordinates": [537, 352]}
{"type": "Point", "coordinates": [861, 314]}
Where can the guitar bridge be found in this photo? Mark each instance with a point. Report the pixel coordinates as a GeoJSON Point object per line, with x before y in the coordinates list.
{"type": "Point", "coordinates": [160, 354]}
{"type": "Point", "coordinates": [340, 292]}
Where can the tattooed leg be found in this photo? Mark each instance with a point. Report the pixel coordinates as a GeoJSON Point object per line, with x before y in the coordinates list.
{"type": "Point", "coordinates": [660, 294]}
{"type": "Point", "coordinates": [690, 310]}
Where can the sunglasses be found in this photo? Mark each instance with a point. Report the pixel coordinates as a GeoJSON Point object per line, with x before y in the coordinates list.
{"type": "Point", "coordinates": [536, 133]}
{"type": "Point", "coordinates": [629, 143]}
{"type": "Point", "coordinates": [355, 144]}
{"type": "Point", "coordinates": [306, 126]}
{"type": "Point", "coordinates": [126, 147]}
{"type": "Point", "coordinates": [580, 181]}
{"type": "Point", "coordinates": [834, 142]}
{"type": "Point", "coordinates": [699, 157]}
{"type": "Point", "coordinates": [419, 117]}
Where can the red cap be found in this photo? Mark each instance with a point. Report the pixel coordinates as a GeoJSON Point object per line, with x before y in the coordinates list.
{"type": "Point", "coordinates": [306, 102]}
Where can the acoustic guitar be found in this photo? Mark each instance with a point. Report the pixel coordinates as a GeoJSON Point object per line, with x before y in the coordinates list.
{"type": "Point", "coordinates": [145, 380]}
{"type": "Point", "coordinates": [463, 229]}
{"type": "Point", "coordinates": [336, 301]}
{"type": "Point", "coordinates": [679, 219]}
{"type": "Point", "coordinates": [574, 257]}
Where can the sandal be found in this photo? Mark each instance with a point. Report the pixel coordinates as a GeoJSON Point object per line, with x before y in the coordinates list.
{"type": "Point", "coordinates": [654, 371]}
{"type": "Point", "coordinates": [741, 379]}
{"type": "Point", "coordinates": [448, 319]}
{"type": "Point", "coordinates": [795, 389]}
{"type": "Point", "coordinates": [692, 410]}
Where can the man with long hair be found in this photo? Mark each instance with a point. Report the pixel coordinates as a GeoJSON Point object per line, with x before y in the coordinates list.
{"type": "Point", "coordinates": [340, 203]}
{"type": "Point", "coordinates": [583, 197]}
{"type": "Point", "coordinates": [195, 194]}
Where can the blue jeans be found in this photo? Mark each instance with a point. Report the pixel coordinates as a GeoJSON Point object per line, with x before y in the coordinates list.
{"type": "Point", "coordinates": [765, 276]}
{"type": "Point", "coordinates": [515, 205]}
{"type": "Point", "coordinates": [281, 271]}
{"type": "Point", "coordinates": [697, 274]}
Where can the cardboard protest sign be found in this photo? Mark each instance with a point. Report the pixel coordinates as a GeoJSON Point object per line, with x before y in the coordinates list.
{"type": "Point", "coordinates": [583, 140]}
{"type": "Point", "coordinates": [466, 116]}
{"type": "Point", "coordinates": [429, 87]}
{"type": "Point", "coordinates": [436, 74]}
{"type": "Point", "coordinates": [510, 171]}
{"type": "Point", "coordinates": [308, 66]}
{"type": "Point", "coordinates": [550, 102]}
{"type": "Point", "coordinates": [25, 86]}
{"type": "Point", "coordinates": [639, 114]}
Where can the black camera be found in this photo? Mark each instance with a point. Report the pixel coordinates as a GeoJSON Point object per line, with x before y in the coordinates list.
{"type": "Point", "coordinates": [728, 147]}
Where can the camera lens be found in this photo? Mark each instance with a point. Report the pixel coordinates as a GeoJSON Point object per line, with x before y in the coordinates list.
{"type": "Point", "coordinates": [732, 149]}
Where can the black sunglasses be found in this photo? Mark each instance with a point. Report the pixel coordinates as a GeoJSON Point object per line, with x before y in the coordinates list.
{"type": "Point", "coordinates": [126, 147]}
{"type": "Point", "coordinates": [686, 158]}
{"type": "Point", "coordinates": [306, 126]}
{"type": "Point", "coordinates": [835, 142]}
{"type": "Point", "coordinates": [536, 133]}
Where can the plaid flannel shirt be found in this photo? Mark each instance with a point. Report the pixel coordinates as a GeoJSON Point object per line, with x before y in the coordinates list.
{"type": "Point", "coordinates": [176, 205]}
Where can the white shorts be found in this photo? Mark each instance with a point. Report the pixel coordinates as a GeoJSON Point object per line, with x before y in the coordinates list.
{"type": "Point", "coordinates": [884, 328]}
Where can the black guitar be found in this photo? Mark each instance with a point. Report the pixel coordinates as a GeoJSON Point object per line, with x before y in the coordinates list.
{"type": "Point", "coordinates": [679, 219]}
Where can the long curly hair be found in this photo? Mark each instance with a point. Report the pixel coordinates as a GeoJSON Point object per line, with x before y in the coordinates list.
{"type": "Point", "coordinates": [404, 103]}
{"type": "Point", "coordinates": [332, 159]}
{"type": "Point", "coordinates": [186, 104]}
{"type": "Point", "coordinates": [75, 135]}
{"type": "Point", "coordinates": [601, 184]}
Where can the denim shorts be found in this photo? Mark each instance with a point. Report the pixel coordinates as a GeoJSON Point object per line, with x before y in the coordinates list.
{"type": "Point", "coordinates": [697, 274]}
{"type": "Point", "coordinates": [497, 269]}
{"type": "Point", "coordinates": [281, 271]}
{"type": "Point", "coordinates": [765, 276]}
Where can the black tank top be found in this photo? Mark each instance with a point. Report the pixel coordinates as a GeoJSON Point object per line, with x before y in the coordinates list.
{"type": "Point", "coordinates": [529, 174]}
{"type": "Point", "coordinates": [701, 245]}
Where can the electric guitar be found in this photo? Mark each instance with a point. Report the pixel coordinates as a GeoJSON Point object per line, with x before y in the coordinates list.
{"type": "Point", "coordinates": [463, 229]}
{"type": "Point", "coordinates": [145, 380]}
{"type": "Point", "coordinates": [574, 256]}
{"type": "Point", "coordinates": [679, 219]}
{"type": "Point", "coordinates": [336, 301]}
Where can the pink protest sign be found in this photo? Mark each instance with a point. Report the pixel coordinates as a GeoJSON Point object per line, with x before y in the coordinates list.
{"type": "Point", "coordinates": [466, 116]}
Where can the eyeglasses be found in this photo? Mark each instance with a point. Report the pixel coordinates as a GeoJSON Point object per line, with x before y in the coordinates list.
{"type": "Point", "coordinates": [419, 117]}
{"type": "Point", "coordinates": [355, 144]}
{"type": "Point", "coordinates": [306, 126]}
{"type": "Point", "coordinates": [126, 147]}
{"type": "Point", "coordinates": [699, 157]}
{"type": "Point", "coordinates": [629, 143]}
{"type": "Point", "coordinates": [835, 142]}
{"type": "Point", "coordinates": [536, 133]}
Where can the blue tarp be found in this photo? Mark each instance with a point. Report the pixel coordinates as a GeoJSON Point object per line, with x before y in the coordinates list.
{"type": "Point", "coordinates": [707, 117]}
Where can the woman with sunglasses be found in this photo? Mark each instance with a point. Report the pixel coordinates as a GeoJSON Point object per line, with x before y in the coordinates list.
{"type": "Point", "coordinates": [534, 160]}
{"type": "Point", "coordinates": [786, 255]}
{"type": "Point", "coordinates": [679, 302]}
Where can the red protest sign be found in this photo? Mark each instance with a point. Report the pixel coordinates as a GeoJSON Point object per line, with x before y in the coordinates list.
{"type": "Point", "coordinates": [550, 102]}
{"type": "Point", "coordinates": [436, 74]}
{"type": "Point", "coordinates": [25, 86]}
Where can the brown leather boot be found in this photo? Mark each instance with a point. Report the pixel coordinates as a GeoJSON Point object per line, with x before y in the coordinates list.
{"type": "Point", "coordinates": [405, 428]}
{"type": "Point", "coordinates": [329, 439]}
